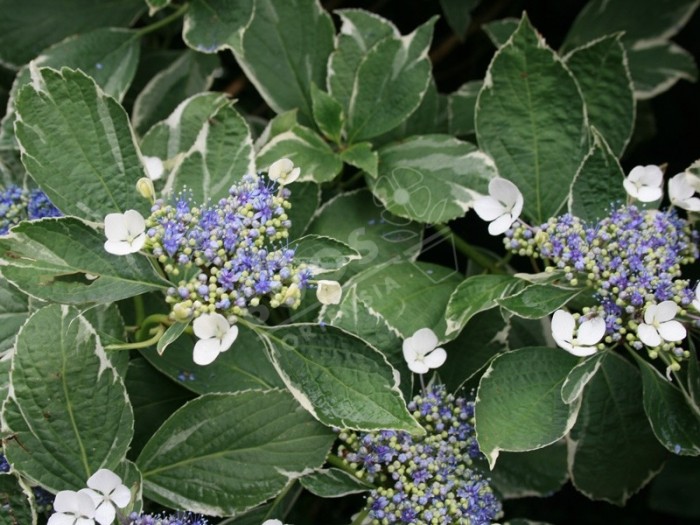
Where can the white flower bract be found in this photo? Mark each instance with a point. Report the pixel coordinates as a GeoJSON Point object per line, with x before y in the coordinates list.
{"type": "Point", "coordinates": [125, 232]}
{"type": "Point", "coordinates": [215, 336]}
{"type": "Point", "coordinates": [644, 183]}
{"type": "Point", "coordinates": [154, 167]}
{"type": "Point", "coordinates": [682, 189]}
{"type": "Point", "coordinates": [329, 292]}
{"type": "Point", "coordinates": [501, 207]}
{"type": "Point", "coordinates": [420, 351]}
{"type": "Point", "coordinates": [588, 334]}
{"type": "Point", "coordinates": [283, 171]}
{"type": "Point", "coordinates": [696, 301]}
{"type": "Point", "coordinates": [106, 490]}
{"type": "Point", "coordinates": [72, 508]}
{"type": "Point", "coordinates": [659, 325]}
{"type": "Point", "coordinates": [272, 522]}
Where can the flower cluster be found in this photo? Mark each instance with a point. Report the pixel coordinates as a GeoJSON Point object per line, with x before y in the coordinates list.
{"type": "Point", "coordinates": [18, 204]}
{"type": "Point", "coordinates": [179, 518]}
{"type": "Point", "coordinates": [424, 479]}
{"type": "Point", "coordinates": [238, 247]}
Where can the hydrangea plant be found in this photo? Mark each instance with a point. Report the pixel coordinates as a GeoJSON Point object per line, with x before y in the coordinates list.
{"type": "Point", "coordinates": [266, 262]}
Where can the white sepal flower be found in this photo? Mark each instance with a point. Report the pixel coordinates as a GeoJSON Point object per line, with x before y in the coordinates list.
{"type": "Point", "coordinates": [154, 167]}
{"type": "Point", "coordinates": [501, 207]}
{"type": "Point", "coordinates": [215, 336]}
{"type": "Point", "coordinates": [588, 334]}
{"type": "Point", "coordinates": [681, 191]}
{"type": "Point", "coordinates": [659, 325]}
{"type": "Point", "coordinates": [283, 171]}
{"type": "Point", "coordinates": [125, 232]}
{"type": "Point", "coordinates": [72, 508]}
{"type": "Point", "coordinates": [107, 492]}
{"type": "Point", "coordinates": [329, 292]}
{"type": "Point", "coordinates": [272, 522]}
{"type": "Point", "coordinates": [420, 351]}
{"type": "Point", "coordinates": [644, 183]}
{"type": "Point", "coordinates": [696, 301]}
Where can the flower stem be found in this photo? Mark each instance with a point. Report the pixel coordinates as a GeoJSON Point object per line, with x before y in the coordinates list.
{"type": "Point", "coordinates": [158, 332]}
{"type": "Point", "coordinates": [468, 250]}
{"type": "Point", "coordinates": [163, 21]}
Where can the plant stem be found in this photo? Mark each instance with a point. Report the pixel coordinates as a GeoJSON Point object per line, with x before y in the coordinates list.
{"type": "Point", "coordinates": [360, 517]}
{"type": "Point", "coordinates": [159, 331]}
{"type": "Point", "coordinates": [467, 249]}
{"type": "Point", "coordinates": [139, 309]}
{"type": "Point", "coordinates": [163, 21]}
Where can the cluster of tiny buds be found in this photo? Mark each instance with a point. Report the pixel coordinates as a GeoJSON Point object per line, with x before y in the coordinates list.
{"type": "Point", "coordinates": [424, 479]}
{"type": "Point", "coordinates": [179, 518]}
{"type": "Point", "coordinates": [632, 261]}
{"type": "Point", "coordinates": [233, 254]}
{"type": "Point", "coordinates": [18, 204]}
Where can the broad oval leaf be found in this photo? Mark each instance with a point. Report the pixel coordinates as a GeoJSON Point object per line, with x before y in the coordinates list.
{"type": "Point", "coordinates": [518, 403]}
{"type": "Point", "coordinates": [537, 301]}
{"type": "Point", "coordinates": [16, 501]}
{"type": "Point", "coordinates": [657, 66]}
{"type": "Point", "coordinates": [77, 144]}
{"type": "Point", "coordinates": [531, 119]}
{"type": "Point", "coordinates": [431, 178]}
{"type": "Point", "coordinates": [64, 434]}
{"type": "Point", "coordinates": [334, 483]}
{"type": "Point", "coordinates": [338, 378]}
{"type": "Point", "coordinates": [213, 25]}
{"type": "Point", "coordinates": [612, 450]}
{"type": "Point", "coordinates": [323, 254]}
{"type": "Point", "coordinates": [14, 310]}
{"type": "Point", "coordinates": [265, 437]}
{"type": "Point", "coordinates": [580, 376]}
{"type": "Point", "coordinates": [49, 259]}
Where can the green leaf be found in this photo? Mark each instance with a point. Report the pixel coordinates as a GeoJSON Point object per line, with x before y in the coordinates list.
{"type": "Point", "coordinates": [323, 254]}
{"type": "Point", "coordinates": [220, 156]}
{"type": "Point", "coordinates": [153, 397]}
{"type": "Point", "coordinates": [333, 483]}
{"type": "Point", "coordinates": [265, 437]}
{"type": "Point", "coordinates": [171, 335]}
{"type": "Point", "coordinates": [328, 114]}
{"type": "Point", "coordinates": [377, 102]}
{"type": "Point", "coordinates": [675, 423]}
{"type": "Point", "coordinates": [458, 14]}
{"type": "Point", "coordinates": [363, 157]}
{"type": "Point", "coordinates": [537, 301]}
{"type": "Point", "coordinates": [49, 259]}
{"type": "Point", "coordinates": [379, 236]}
{"type": "Point", "coordinates": [214, 25]}
{"type": "Point", "coordinates": [284, 50]}
{"type": "Point", "coordinates": [77, 144]}
{"type": "Point", "coordinates": [190, 74]}
{"type": "Point", "coordinates": [108, 324]}
{"type": "Point", "coordinates": [649, 20]}
{"type": "Point", "coordinates": [499, 31]}
{"type": "Point", "coordinates": [519, 405]}
{"type": "Point", "coordinates": [612, 450]}
{"type": "Point", "coordinates": [431, 178]}
{"type": "Point", "coordinates": [579, 377]}
{"type": "Point", "coordinates": [476, 294]}
{"type": "Point", "coordinates": [242, 367]}
{"type": "Point", "coordinates": [16, 502]}
{"type": "Point", "coordinates": [178, 133]}
{"type": "Point", "coordinates": [63, 433]}
{"type": "Point", "coordinates": [657, 66]}
{"type": "Point", "coordinates": [598, 183]}
{"type": "Point", "coordinates": [602, 73]}
{"type": "Point", "coordinates": [338, 378]}
{"type": "Point", "coordinates": [22, 37]}
{"type": "Point", "coordinates": [14, 310]}
{"type": "Point", "coordinates": [278, 508]}
{"type": "Point", "coordinates": [530, 92]}
{"type": "Point", "coordinates": [407, 295]}
{"type": "Point", "coordinates": [482, 338]}
{"type": "Point", "coordinates": [305, 200]}
{"type": "Point", "coordinates": [307, 149]}
{"type": "Point", "coordinates": [536, 473]}
{"type": "Point", "coordinates": [673, 490]}
{"type": "Point", "coordinates": [461, 107]}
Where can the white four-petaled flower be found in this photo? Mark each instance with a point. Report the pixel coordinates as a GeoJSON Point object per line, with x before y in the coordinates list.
{"type": "Point", "coordinates": [659, 325]}
{"type": "Point", "coordinates": [154, 167]}
{"type": "Point", "coordinates": [588, 334]}
{"type": "Point", "coordinates": [283, 171]}
{"type": "Point", "coordinates": [682, 189]}
{"type": "Point", "coordinates": [215, 336]}
{"type": "Point", "coordinates": [106, 490]}
{"type": "Point", "coordinates": [125, 232]}
{"type": "Point", "coordinates": [501, 207]}
{"type": "Point", "coordinates": [72, 508]}
{"type": "Point", "coordinates": [329, 292]}
{"type": "Point", "coordinates": [420, 351]}
{"type": "Point", "coordinates": [644, 183]}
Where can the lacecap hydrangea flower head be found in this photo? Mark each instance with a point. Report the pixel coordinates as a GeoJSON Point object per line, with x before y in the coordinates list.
{"type": "Point", "coordinates": [632, 261]}
{"type": "Point", "coordinates": [424, 479]}
{"type": "Point", "coordinates": [19, 204]}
